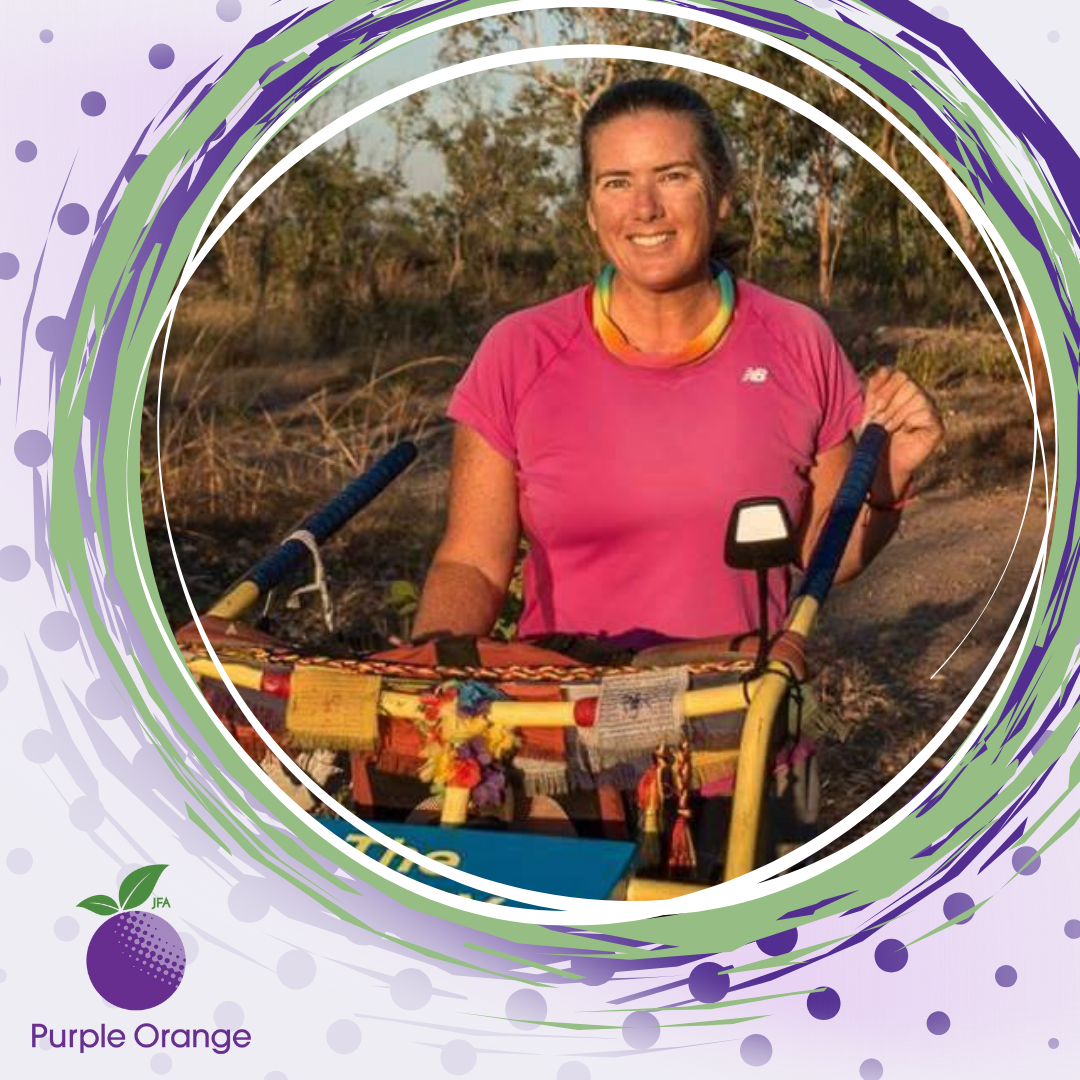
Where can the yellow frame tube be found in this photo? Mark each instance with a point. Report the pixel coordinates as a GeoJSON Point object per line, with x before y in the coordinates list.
{"type": "Point", "coordinates": [236, 601]}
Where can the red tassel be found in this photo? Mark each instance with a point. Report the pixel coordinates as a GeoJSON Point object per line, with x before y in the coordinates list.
{"type": "Point", "coordinates": [682, 856]}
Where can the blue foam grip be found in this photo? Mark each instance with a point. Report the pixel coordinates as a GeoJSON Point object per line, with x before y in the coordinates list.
{"type": "Point", "coordinates": [849, 501]}
{"type": "Point", "coordinates": [326, 521]}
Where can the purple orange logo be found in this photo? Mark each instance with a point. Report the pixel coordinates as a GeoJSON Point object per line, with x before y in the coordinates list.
{"type": "Point", "coordinates": [135, 959]}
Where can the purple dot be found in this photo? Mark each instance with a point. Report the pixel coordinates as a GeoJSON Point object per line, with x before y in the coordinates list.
{"type": "Point", "coordinates": [343, 1036]}
{"type": "Point", "coordinates": [191, 946]}
{"type": "Point", "coordinates": [709, 983]}
{"type": "Point", "coordinates": [640, 1030]}
{"type": "Point", "coordinates": [755, 1050]}
{"type": "Point", "coordinates": [1005, 975]}
{"type": "Point", "coordinates": [14, 563]}
{"type": "Point", "coordinates": [37, 746]}
{"type": "Point", "coordinates": [32, 448]}
{"type": "Point", "coordinates": [228, 1014]}
{"type": "Point", "coordinates": [248, 900]}
{"type": "Point", "coordinates": [1026, 861]}
{"type": "Point", "coordinates": [525, 1009]}
{"type": "Point", "coordinates": [573, 1070]}
{"type": "Point", "coordinates": [3, 679]}
{"type": "Point", "coordinates": [86, 813]}
{"type": "Point", "coordinates": [1072, 928]}
{"type": "Point", "coordinates": [1053, 1044]}
{"type": "Point", "coordinates": [46, 36]}
{"type": "Point", "coordinates": [593, 970]}
{"type": "Point", "coordinates": [161, 57]}
{"type": "Point", "coordinates": [51, 333]}
{"type": "Point", "coordinates": [823, 1003]}
{"type": "Point", "coordinates": [73, 218]}
{"type": "Point", "coordinates": [458, 1057]}
{"type": "Point", "coordinates": [59, 631]}
{"type": "Point", "coordinates": [66, 928]}
{"type": "Point", "coordinates": [410, 989]}
{"type": "Point", "coordinates": [891, 955]}
{"type": "Point", "coordinates": [93, 104]}
{"type": "Point", "coordinates": [957, 904]}
{"type": "Point", "coordinates": [781, 943]}
{"type": "Point", "coordinates": [937, 1023]}
{"type": "Point", "coordinates": [228, 10]}
{"type": "Point", "coordinates": [9, 265]}
{"type": "Point", "coordinates": [871, 1069]}
{"type": "Point", "coordinates": [26, 150]}
{"type": "Point", "coordinates": [296, 969]}
{"type": "Point", "coordinates": [103, 700]}
{"type": "Point", "coordinates": [19, 860]}
{"type": "Point", "coordinates": [1053, 37]}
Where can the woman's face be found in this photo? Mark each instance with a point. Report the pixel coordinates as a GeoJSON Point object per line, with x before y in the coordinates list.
{"type": "Point", "coordinates": [651, 204]}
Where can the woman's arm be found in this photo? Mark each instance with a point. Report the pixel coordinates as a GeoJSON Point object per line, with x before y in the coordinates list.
{"type": "Point", "coordinates": [467, 582]}
{"type": "Point", "coordinates": [915, 429]}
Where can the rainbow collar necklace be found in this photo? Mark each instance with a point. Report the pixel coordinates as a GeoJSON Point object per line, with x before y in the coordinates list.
{"type": "Point", "coordinates": [615, 341]}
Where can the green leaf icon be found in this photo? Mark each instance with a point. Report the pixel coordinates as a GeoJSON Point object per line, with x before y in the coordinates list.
{"type": "Point", "coordinates": [100, 905]}
{"type": "Point", "coordinates": [136, 888]}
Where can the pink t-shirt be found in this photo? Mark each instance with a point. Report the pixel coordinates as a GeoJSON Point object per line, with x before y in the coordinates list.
{"type": "Point", "coordinates": [627, 475]}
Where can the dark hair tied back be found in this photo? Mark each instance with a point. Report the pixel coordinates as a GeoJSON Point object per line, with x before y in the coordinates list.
{"type": "Point", "coordinates": [664, 95]}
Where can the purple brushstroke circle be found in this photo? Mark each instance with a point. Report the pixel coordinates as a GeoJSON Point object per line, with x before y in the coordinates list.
{"type": "Point", "coordinates": [709, 983]}
{"type": "Point", "coordinates": [160, 1064]}
{"type": "Point", "coordinates": [1072, 928]}
{"type": "Point", "coordinates": [93, 103]}
{"type": "Point", "coordinates": [19, 860]}
{"type": "Point", "coordinates": [228, 10]}
{"type": "Point", "coordinates": [526, 1009]}
{"type": "Point", "coordinates": [296, 969]}
{"type": "Point", "coordinates": [458, 1057]}
{"type": "Point", "coordinates": [593, 970]}
{"type": "Point", "coordinates": [755, 1050]}
{"type": "Point", "coordinates": [25, 151]}
{"type": "Point", "coordinates": [957, 904]}
{"type": "Point", "coordinates": [937, 1023]}
{"type": "Point", "coordinates": [161, 57]}
{"type": "Point", "coordinates": [66, 928]}
{"type": "Point", "coordinates": [14, 563]}
{"type": "Point", "coordinates": [59, 631]}
{"type": "Point", "coordinates": [1053, 1044]}
{"type": "Point", "coordinates": [778, 944]}
{"type": "Point", "coordinates": [823, 1003]}
{"type": "Point", "coordinates": [37, 746]}
{"type": "Point", "coordinates": [46, 36]}
{"type": "Point", "coordinates": [410, 989]}
{"type": "Point", "coordinates": [103, 700]}
{"type": "Point", "coordinates": [871, 1069]}
{"type": "Point", "coordinates": [51, 333]}
{"type": "Point", "coordinates": [32, 448]}
{"type": "Point", "coordinates": [1005, 975]}
{"type": "Point", "coordinates": [641, 1030]}
{"type": "Point", "coordinates": [9, 265]}
{"type": "Point", "coordinates": [891, 955]}
{"type": "Point", "coordinates": [73, 219]}
{"type": "Point", "coordinates": [135, 960]}
{"type": "Point", "coordinates": [1026, 861]}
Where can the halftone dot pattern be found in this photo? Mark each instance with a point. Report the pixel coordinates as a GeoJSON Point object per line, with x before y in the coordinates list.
{"type": "Point", "coordinates": [526, 1008]}
{"type": "Point", "coordinates": [593, 970]}
{"type": "Point", "coordinates": [573, 1070]}
{"type": "Point", "coordinates": [871, 1069]}
{"type": "Point", "coordinates": [228, 1015]}
{"type": "Point", "coordinates": [103, 700]}
{"type": "Point", "coordinates": [229, 10]}
{"type": "Point", "coordinates": [191, 946]}
{"type": "Point", "coordinates": [641, 1030]}
{"type": "Point", "coordinates": [19, 860]}
{"type": "Point", "coordinates": [1072, 928]}
{"type": "Point", "coordinates": [135, 960]}
{"type": "Point", "coordinates": [343, 1036]}
{"type": "Point", "coordinates": [410, 989]}
{"type": "Point", "coordinates": [1005, 975]}
{"type": "Point", "coordinates": [37, 746]}
{"type": "Point", "coordinates": [891, 955]}
{"type": "Point", "coordinates": [59, 631]}
{"type": "Point", "coordinates": [45, 36]}
{"type": "Point", "coordinates": [249, 900]}
{"type": "Point", "coordinates": [93, 103]}
{"type": "Point", "coordinates": [458, 1057]}
{"type": "Point", "coordinates": [937, 1023]}
{"type": "Point", "coordinates": [1026, 861]}
{"type": "Point", "coordinates": [823, 1003]}
{"type": "Point", "coordinates": [162, 57]}
{"type": "Point", "coordinates": [14, 563]}
{"type": "Point", "coordinates": [51, 332]}
{"type": "Point", "coordinates": [32, 448]}
{"type": "Point", "coordinates": [755, 1050]}
{"type": "Point", "coordinates": [296, 969]}
{"type": "Point", "coordinates": [25, 151]}
{"type": "Point", "coordinates": [66, 928]}
{"type": "Point", "coordinates": [73, 218]}
{"type": "Point", "coordinates": [709, 983]}
{"type": "Point", "coordinates": [1053, 37]}
{"type": "Point", "coordinates": [86, 813]}
{"type": "Point", "coordinates": [956, 904]}
{"type": "Point", "coordinates": [1053, 1044]}
{"type": "Point", "coordinates": [778, 944]}
{"type": "Point", "coordinates": [161, 1064]}
{"type": "Point", "coordinates": [9, 265]}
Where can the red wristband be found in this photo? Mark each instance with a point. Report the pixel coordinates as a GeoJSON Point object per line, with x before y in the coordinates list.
{"type": "Point", "coordinates": [907, 496]}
